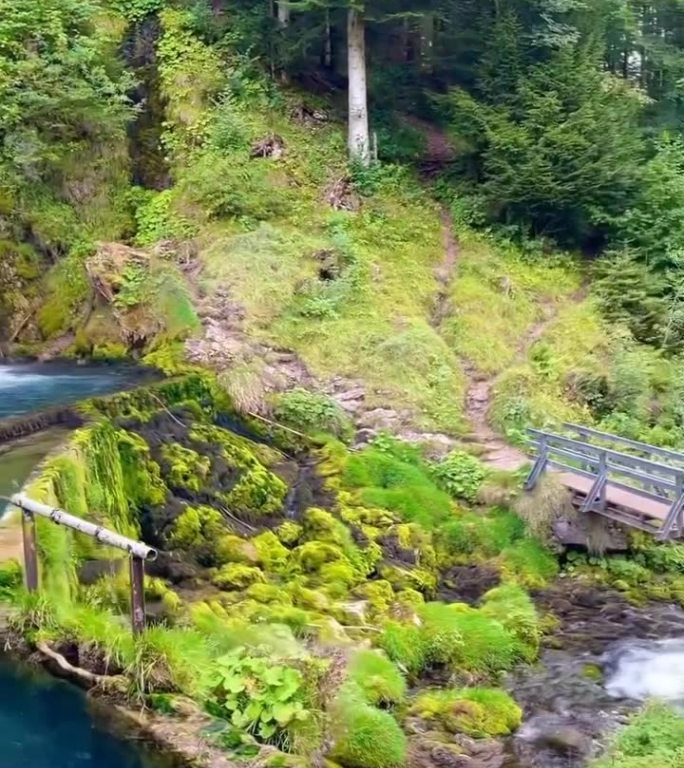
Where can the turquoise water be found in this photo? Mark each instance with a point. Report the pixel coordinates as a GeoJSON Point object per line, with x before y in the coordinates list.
{"type": "Point", "coordinates": [45, 723]}
{"type": "Point", "coordinates": [26, 387]}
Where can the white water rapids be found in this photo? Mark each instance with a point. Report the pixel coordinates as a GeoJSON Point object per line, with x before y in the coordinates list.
{"type": "Point", "coordinates": [653, 670]}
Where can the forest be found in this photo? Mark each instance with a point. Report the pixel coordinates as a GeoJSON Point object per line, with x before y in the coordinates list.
{"type": "Point", "coordinates": [384, 239]}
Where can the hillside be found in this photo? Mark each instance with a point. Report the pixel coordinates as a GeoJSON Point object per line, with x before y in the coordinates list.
{"type": "Point", "coordinates": [246, 240]}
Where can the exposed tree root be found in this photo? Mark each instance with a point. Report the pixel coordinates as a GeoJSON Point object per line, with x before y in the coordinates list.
{"type": "Point", "coordinates": [104, 681]}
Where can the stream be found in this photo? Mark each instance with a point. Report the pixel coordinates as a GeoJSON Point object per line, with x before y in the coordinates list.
{"type": "Point", "coordinates": [605, 658]}
{"type": "Point", "coordinates": [47, 723]}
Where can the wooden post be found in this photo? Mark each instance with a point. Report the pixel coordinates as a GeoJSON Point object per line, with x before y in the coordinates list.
{"type": "Point", "coordinates": [28, 533]}
{"type": "Point", "coordinates": [137, 594]}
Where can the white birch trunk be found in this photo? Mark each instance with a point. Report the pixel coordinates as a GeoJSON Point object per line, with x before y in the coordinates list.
{"type": "Point", "coordinates": [283, 14]}
{"type": "Point", "coordinates": [359, 142]}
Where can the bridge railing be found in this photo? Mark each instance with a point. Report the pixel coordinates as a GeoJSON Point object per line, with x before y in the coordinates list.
{"type": "Point", "coordinates": [645, 450]}
{"type": "Point", "coordinates": [644, 477]}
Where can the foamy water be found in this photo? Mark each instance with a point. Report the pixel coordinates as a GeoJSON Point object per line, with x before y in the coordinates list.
{"type": "Point", "coordinates": [33, 386]}
{"type": "Point", "coordinates": [647, 670]}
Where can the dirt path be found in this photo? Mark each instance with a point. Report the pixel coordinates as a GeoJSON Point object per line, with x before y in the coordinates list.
{"type": "Point", "coordinates": [497, 453]}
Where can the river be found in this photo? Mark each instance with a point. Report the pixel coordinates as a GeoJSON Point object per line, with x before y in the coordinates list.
{"type": "Point", "coordinates": [46, 723]}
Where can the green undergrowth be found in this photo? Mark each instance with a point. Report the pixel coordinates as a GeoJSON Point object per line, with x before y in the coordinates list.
{"type": "Point", "coordinates": [587, 371]}
{"type": "Point", "coordinates": [650, 571]}
{"type": "Point", "coordinates": [291, 631]}
{"type": "Point", "coordinates": [500, 296]}
{"type": "Point", "coordinates": [653, 737]}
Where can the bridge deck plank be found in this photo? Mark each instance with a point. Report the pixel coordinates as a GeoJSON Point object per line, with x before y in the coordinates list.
{"type": "Point", "coordinates": [619, 497]}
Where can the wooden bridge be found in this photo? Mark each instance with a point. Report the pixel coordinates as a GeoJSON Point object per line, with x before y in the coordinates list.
{"type": "Point", "coordinates": [636, 484]}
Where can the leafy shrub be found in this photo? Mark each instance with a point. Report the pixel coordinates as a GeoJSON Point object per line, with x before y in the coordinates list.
{"type": "Point", "coordinates": [478, 712]}
{"type": "Point", "coordinates": [10, 577]}
{"type": "Point", "coordinates": [259, 696]}
{"type": "Point", "coordinates": [312, 412]}
{"type": "Point", "coordinates": [377, 677]}
{"type": "Point", "coordinates": [654, 737]}
{"type": "Point", "coordinates": [460, 475]}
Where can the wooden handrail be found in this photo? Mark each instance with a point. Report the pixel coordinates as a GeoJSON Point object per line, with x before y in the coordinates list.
{"type": "Point", "coordinates": [652, 450]}
{"type": "Point", "coordinates": [612, 472]}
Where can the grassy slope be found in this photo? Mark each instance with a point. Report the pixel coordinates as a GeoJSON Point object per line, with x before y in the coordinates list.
{"type": "Point", "coordinates": [260, 224]}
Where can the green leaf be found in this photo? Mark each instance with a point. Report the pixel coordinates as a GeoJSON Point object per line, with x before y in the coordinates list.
{"type": "Point", "coordinates": [266, 730]}
{"type": "Point", "coordinates": [239, 720]}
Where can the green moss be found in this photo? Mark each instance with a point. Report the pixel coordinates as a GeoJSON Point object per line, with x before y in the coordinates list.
{"type": "Point", "coordinates": [314, 554]}
{"type": "Point", "coordinates": [237, 576]}
{"type": "Point", "coordinates": [267, 593]}
{"type": "Point", "coordinates": [196, 527]}
{"type": "Point", "coordinates": [406, 645]}
{"type": "Point", "coordinates": [530, 563]}
{"type": "Point", "coordinates": [409, 578]}
{"type": "Point", "coordinates": [186, 468]}
{"type": "Point", "coordinates": [257, 493]}
{"type": "Point", "coordinates": [477, 712]}
{"type": "Point", "coordinates": [512, 607]}
{"type": "Point", "coordinates": [338, 578]}
{"type": "Point", "coordinates": [592, 672]}
{"type": "Point", "coordinates": [379, 594]}
{"type": "Point", "coordinates": [310, 599]}
{"type": "Point", "coordinates": [463, 637]}
{"type": "Point", "coordinates": [232, 549]}
{"type": "Point", "coordinates": [289, 533]}
{"type": "Point", "coordinates": [377, 678]}
{"type": "Point", "coordinates": [365, 737]}
{"type": "Point", "coordinates": [273, 556]}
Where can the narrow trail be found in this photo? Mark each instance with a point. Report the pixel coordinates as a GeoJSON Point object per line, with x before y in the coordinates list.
{"type": "Point", "coordinates": [497, 453]}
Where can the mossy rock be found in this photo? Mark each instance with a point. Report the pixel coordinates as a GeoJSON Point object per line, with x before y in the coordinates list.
{"type": "Point", "coordinates": [477, 712]}
{"type": "Point", "coordinates": [402, 578]}
{"type": "Point", "coordinates": [198, 527]}
{"type": "Point", "coordinates": [379, 595]}
{"type": "Point", "coordinates": [289, 533]}
{"type": "Point", "coordinates": [268, 593]}
{"type": "Point", "coordinates": [257, 493]}
{"type": "Point", "coordinates": [310, 599]}
{"type": "Point", "coordinates": [312, 555]}
{"type": "Point", "coordinates": [364, 736]}
{"type": "Point", "coordinates": [379, 680]}
{"type": "Point", "coordinates": [273, 556]}
{"type": "Point", "coordinates": [338, 577]}
{"type": "Point", "coordinates": [185, 468]}
{"type": "Point", "coordinates": [233, 549]}
{"type": "Point", "coordinates": [235, 576]}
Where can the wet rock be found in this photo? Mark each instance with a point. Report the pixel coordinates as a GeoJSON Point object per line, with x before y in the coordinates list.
{"type": "Point", "coordinates": [467, 583]}
{"type": "Point", "coordinates": [565, 740]}
{"type": "Point", "coordinates": [581, 532]}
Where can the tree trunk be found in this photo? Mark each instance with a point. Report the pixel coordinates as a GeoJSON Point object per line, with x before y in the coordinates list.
{"type": "Point", "coordinates": [283, 14]}
{"type": "Point", "coordinates": [327, 49]}
{"type": "Point", "coordinates": [427, 34]}
{"type": "Point", "coordinates": [359, 143]}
